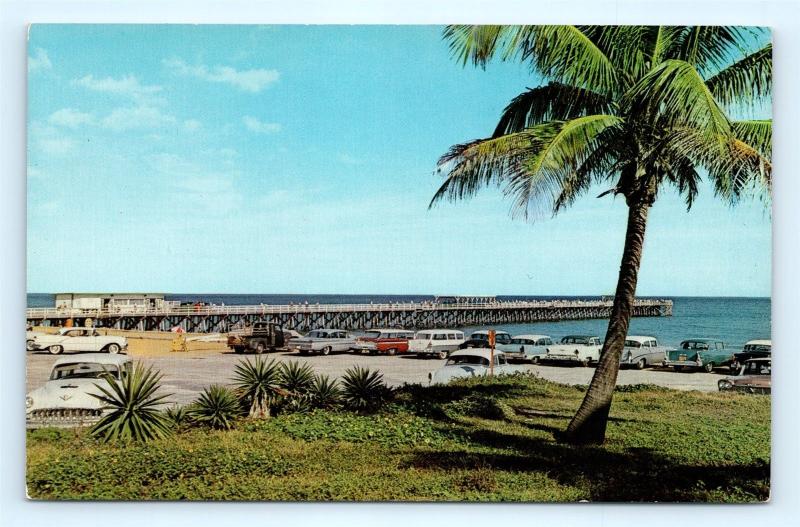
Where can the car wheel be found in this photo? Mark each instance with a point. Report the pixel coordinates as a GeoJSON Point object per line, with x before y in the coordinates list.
{"type": "Point", "coordinates": [391, 352]}
{"type": "Point", "coordinates": [641, 364]}
{"type": "Point", "coordinates": [586, 363]}
{"type": "Point", "coordinates": [326, 350]}
{"type": "Point", "coordinates": [303, 352]}
{"type": "Point", "coordinates": [113, 348]}
{"type": "Point", "coordinates": [677, 368]}
{"type": "Point", "coordinates": [55, 350]}
{"type": "Point", "coordinates": [442, 355]}
{"type": "Point", "coordinates": [238, 349]}
{"type": "Point", "coordinates": [708, 367]}
{"type": "Point", "coordinates": [535, 359]}
{"type": "Point", "coordinates": [29, 345]}
{"type": "Point", "coordinates": [260, 348]}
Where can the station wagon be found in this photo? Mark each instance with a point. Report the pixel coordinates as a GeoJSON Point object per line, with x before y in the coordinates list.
{"type": "Point", "coordinates": [436, 342]}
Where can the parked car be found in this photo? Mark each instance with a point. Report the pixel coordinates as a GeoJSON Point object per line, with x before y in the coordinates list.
{"type": "Point", "coordinates": [261, 337]}
{"type": "Point", "coordinates": [79, 339]}
{"type": "Point", "coordinates": [527, 347]}
{"type": "Point", "coordinates": [754, 376]}
{"type": "Point", "coordinates": [480, 339]}
{"type": "Point", "coordinates": [754, 349]}
{"type": "Point", "coordinates": [290, 337]}
{"type": "Point", "coordinates": [641, 352]}
{"type": "Point", "coordinates": [29, 336]}
{"type": "Point", "coordinates": [582, 349]}
{"type": "Point", "coordinates": [387, 341]}
{"type": "Point", "coordinates": [435, 342]}
{"type": "Point", "coordinates": [325, 342]}
{"type": "Point", "coordinates": [65, 399]}
{"type": "Point", "coordinates": [472, 362]}
{"type": "Point", "coordinates": [705, 354]}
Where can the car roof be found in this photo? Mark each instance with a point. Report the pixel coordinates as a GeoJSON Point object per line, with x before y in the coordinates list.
{"type": "Point", "coordinates": [639, 338]}
{"type": "Point", "coordinates": [701, 340]}
{"type": "Point", "coordinates": [580, 337]}
{"type": "Point", "coordinates": [486, 353]}
{"type": "Point", "coordinates": [328, 329]}
{"type": "Point", "coordinates": [531, 337]}
{"type": "Point", "coordinates": [99, 358]}
{"type": "Point", "coordinates": [759, 342]}
{"type": "Point", "coordinates": [390, 330]}
{"type": "Point", "coordinates": [486, 332]}
{"type": "Point", "coordinates": [436, 331]}
{"type": "Point", "coordinates": [64, 330]}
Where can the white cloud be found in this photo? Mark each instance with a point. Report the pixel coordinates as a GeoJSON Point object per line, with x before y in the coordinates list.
{"type": "Point", "coordinates": [46, 139]}
{"type": "Point", "coordinates": [70, 118]}
{"type": "Point", "coordinates": [253, 80]}
{"type": "Point", "coordinates": [192, 125]}
{"type": "Point", "coordinates": [200, 185]}
{"type": "Point", "coordinates": [128, 86]}
{"type": "Point", "coordinates": [134, 117]}
{"type": "Point", "coordinates": [39, 61]}
{"type": "Point", "coordinates": [260, 127]}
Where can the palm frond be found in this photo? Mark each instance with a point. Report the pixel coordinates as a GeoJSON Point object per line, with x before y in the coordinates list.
{"type": "Point", "coordinates": [567, 55]}
{"type": "Point", "coordinates": [710, 48]}
{"type": "Point", "coordinates": [675, 95]}
{"type": "Point", "coordinates": [477, 44]}
{"type": "Point", "coordinates": [757, 134]}
{"type": "Point", "coordinates": [551, 102]}
{"type": "Point", "coordinates": [745, 80]}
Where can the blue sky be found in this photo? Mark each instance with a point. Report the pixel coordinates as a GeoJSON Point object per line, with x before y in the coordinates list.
{"type": "Point", "coordinates": [300, 159]}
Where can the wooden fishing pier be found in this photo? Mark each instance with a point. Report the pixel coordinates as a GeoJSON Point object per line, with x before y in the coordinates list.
{"type": "Point", "coordinates": [303, 317]}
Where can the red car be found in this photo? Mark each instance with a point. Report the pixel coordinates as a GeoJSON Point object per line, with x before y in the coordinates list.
{"type": "Point", "coordinates": [388, 341]}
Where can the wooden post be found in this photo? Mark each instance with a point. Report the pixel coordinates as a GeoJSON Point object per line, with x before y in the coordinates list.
{"type": "Point", "coordinates": [492, 335]}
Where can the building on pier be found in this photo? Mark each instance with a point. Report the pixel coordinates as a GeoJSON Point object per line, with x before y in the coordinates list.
{"type": "Point", "coordinates": [110, 301]}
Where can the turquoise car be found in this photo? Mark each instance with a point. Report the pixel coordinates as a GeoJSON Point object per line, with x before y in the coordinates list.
{"type": "Point", "coordinates": [705, 354]}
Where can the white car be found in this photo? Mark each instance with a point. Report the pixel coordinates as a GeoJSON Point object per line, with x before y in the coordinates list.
{"type": "Point", "coordinates": [641, 352]}
{"type": "Point", "coordinates": [79, 339]}
{"type": "Point", "coordinates": [29, 336]}
{"type": "Point", "coordinates": [435, 342]}
{"type": "Point", "coordinates": [582, 349]}
{"type": "Point", "coordinates": [65, 400]}
{"type": "Point", "coordinates": [527, 347]}
{"type": "Point", "coordinates": [471, 362]}
{"type": "Point", "coordinates": [325, 342]}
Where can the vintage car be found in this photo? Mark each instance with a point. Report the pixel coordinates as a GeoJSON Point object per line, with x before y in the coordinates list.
{"type": "Point", "coordinates": [705, 354]}
{"type": "Point", "coordinates": [435, 342]}
{"type": "Point", "coordinates": [386, 341]}
{"type": "Point", "coordinates": [480, 339]}
{"type": "Point", "coordinates": [262, 336]}
{"type": "Point", "coordinates": [527, 347]}
{"type": "Point", "coordinates": [754, 377]}
{"type": "Point", "coordinates": [754, 349]}
{"type": "Point", "coordinates": [472, 362]}
{"type": "Point", "coordinates": [65, 400]}
{"type": "Point", "coordinates": [30, 334]}
{"type": "Point", "coordinates": [641, 352]}
{"type": "Point", "coordinates": [325, 342]}
{"type": "Point", "coordinates": [581, 349]}
{"type": "Point", "coordinates": [79, 339]}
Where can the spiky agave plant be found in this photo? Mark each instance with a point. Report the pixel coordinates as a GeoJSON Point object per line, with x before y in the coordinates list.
{"type": "Point", "coordinates": [296, 378]}
{"type": "Point", "coordinates": [364, 390]}
{"type": "Point", "coordinates": [177, 415]}
{"type": "Point", "coordinates": [325, 393]}
{"type": "Point", "coordinates": [216, 407]}
{"type": "Point", "coordinates": [257, 385]}
{"type": "Point", "coordinates": [135, 414]}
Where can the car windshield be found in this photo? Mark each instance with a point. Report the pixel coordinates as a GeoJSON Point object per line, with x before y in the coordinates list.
{"type": "Point", "coordinates": [83, 370]}
{"type": "Point", "coordinates": [519, 341]}
{"type": "Point", "coordinates": [372, 334]}
{"type": "Point", "coordinates": [318, 334]}
{"type": "Point", "coordinates": [694, 345]}
{"type": "Point", "coordinates": [575, 340]}
{"type": "Point", "coordinates": [633, 344]}
{"type": "Point", "coordinates": [758, 347]}
{"type": "Point", "coordinates": [467, 359]}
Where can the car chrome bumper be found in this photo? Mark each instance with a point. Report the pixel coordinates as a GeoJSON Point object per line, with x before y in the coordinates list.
{"type": "Point", "coordinates": [62, 418]}
{"type": "Point", "coordinates": [685, 363]}
{"type": "Point", "coordinates": [562, 358]}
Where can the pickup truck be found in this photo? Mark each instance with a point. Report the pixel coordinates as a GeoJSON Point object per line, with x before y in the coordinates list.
{"type": "Point", "coordinates": [262, 336]}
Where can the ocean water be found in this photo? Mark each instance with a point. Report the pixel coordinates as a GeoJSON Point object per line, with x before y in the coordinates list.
{"type": "Point", "coordinates": [734, 320]}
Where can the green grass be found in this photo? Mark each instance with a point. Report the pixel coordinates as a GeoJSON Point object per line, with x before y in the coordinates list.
{"type": "Point", "coordinates": [490, 441]}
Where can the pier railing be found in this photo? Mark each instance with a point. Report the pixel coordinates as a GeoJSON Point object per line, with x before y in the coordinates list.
{"type": "Point", "coordinates": [267, 309]}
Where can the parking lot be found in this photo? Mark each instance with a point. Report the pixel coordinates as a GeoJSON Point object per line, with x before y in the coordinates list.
{"type": "Point", "coordinates": [186, 374]}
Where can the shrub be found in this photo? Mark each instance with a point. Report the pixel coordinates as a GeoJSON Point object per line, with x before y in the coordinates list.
{"type": "Point", "coordinates": [364, 390]}
{"type": "Point", "coordinates": [325, 393]}
{"type": "Point", "coordinates": [134, 406]}
{"type": "Point", "coordinates": [296, 377]}
{"type": "Point", "coordinates": [177, 415]}
{"type": "Point", "coordinates": [217, 407]}
{"type": "Point", "coordinates": [257, 385]}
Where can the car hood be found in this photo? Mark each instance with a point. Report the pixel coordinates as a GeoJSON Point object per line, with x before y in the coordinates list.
{"type": "Point", "coordinates": [67, 393]}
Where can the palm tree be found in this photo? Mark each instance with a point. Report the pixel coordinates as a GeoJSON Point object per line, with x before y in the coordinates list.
{"type": "Point", "coordinates": [636, 108]}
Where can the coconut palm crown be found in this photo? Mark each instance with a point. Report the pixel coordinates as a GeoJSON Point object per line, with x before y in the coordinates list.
{"type": "Point", "coordinates": [634, 108]}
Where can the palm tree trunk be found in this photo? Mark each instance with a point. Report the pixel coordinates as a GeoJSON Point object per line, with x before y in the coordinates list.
{"type": "Point", "coordinates": [588, 426]}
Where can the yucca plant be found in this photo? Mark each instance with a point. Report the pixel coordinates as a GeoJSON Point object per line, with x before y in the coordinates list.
{"type": "Point", "coordinates": [634, 108]}
{"type": "Point", "coordinates": [325, 393]}
{"type": "Point", "coordinates": [217, 407]}
{"type": "Point", "coordinates": [135, 414]}
{"type": "Point", "coordinates": [177, 415]}
{"type": "Point", "coordinates": [257, 385]}
{"type": "Point", "coordinates": [364, 390]}
{"type": "Point", "coordinates": [296, 378]}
